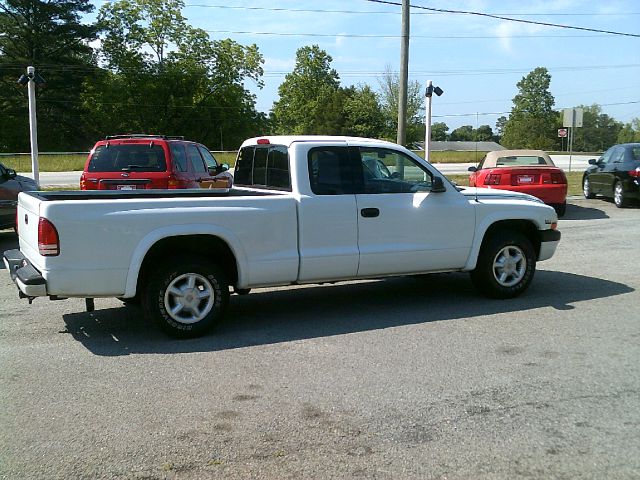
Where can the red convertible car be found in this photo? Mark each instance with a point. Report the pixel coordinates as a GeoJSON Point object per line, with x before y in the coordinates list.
{"type": "Point", "coordinates": [526, 171]}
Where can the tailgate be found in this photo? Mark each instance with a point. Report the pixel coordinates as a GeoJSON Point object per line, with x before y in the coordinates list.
{"type": "Point", "coordinates": [27, 222]}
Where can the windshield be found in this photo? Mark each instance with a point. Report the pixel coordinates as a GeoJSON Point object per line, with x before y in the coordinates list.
{"type": "Point", "coordinates": [128, 157]}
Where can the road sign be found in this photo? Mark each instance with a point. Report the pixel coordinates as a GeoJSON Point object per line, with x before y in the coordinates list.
{"type": "Point", "coordinates": [572, 117]}
{"type": "Point", "coordinates": [563, 132]}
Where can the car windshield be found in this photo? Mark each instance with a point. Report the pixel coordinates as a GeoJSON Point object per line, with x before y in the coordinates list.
{"type": "Point", "coordinates": [128, 157]}
{"type": "Point", "coordinates": [520, 160]}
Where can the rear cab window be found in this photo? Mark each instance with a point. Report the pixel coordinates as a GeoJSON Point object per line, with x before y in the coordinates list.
{"type": "Point", "coordinates": [124, 157]}
{"type": "Point", "coordinates": [263, 166]}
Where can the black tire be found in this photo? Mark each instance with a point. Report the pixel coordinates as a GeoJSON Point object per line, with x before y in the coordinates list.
{"type": "Point", "coordinates": [560, 208]}
{"type": "Point", "coordinates": [495, 279]}
{"type": "Point", "coordinates": [129, 302]}
{"type": "Point", "coordinates": [619, 197]}
{"type": "Point", "coordinates": [187, 296]}
{"type": "Point", "coordinates": [586, 188]}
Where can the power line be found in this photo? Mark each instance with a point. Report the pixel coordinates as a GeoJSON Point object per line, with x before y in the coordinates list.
{"type": "Point", "coordinates": [374, 12]}
{"type": "Point", "coordinates": [508, 19]}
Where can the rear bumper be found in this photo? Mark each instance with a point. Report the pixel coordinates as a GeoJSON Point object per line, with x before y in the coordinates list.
{"type": "Point", "coordinates": [549, 194]}
{"type": "Point", "coordinates": [28, 280]}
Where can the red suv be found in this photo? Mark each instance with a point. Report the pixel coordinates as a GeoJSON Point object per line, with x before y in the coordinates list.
{"type": "Point", "coordinates": [130, 162]}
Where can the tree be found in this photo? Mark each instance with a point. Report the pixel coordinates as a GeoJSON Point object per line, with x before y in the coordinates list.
{"type": "Point", "coordinates": [532, 122]}
{"type": "Point", "coordinates": [598, 132]}
{"type": "Point", "coordinates": [483, 134]}
{"type": "Point", "coordinates": [439, 132]}
{"type": "Point", "coordinates": [362, 112]}
{"type": "Point", "coordinates": [500, 124]}
{"type": "Point", "coordinates": [463, 134]}
{"type": "Point", "coordinates": [630, 132]}
{"type": "Point", "coordinates": [389, 98]}
{"type": "Point", "coordinates": [165, 76]}
{"type": "Point", "coordinates": [49, 36]}
{"type": "Point", "coordinates": [306, 93]}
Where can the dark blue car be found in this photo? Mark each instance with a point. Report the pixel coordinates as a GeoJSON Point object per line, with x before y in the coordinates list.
{"type": "Point", "coordinates": [10, 186]}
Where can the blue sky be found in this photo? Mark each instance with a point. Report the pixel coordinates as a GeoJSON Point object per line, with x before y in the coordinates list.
{"type": "Point", "coordinates": [477, 61]}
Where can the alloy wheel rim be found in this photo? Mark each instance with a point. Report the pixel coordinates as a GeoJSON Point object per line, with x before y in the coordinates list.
{"type": "Point", "coordinates": [586, 188]}
{"type": "Point", "coordinates": [509, 266]}
{"type": "Point", "coordinates": [618, 194]}
{"type": "Point", "coordinates": [189, 298]}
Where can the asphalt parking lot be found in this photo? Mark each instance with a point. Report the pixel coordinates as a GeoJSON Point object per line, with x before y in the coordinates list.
{"type": "Point", "coordinates": [392, 379]}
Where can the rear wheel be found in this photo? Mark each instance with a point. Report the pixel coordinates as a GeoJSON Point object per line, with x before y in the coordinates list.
{"type": "Point", "coordinates": [505, 266]}
{"type": "Point", "coordinates": [619, 197]}
{"type": "Point", "coordinates": [560, 208]}
{"type": "Point", "coordinates": [187, 296]}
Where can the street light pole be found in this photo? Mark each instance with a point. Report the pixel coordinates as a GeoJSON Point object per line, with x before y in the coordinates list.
{"type": "Point", "coordinates": [427, 138]}
{"type": "Point", "coordinates": [33, 125]}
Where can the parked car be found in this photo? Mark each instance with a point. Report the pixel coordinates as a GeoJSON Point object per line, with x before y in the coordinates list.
{"type": "Point", "coordinates": [131, 162]}
{"type": "Point", "coordinates": [526, 171]}
{"type": "Point", "coordinates": [616, 174]}
{"type": "Point", "coordinates": [10, 186]}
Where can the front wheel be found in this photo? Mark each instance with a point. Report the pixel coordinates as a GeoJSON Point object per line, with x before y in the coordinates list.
{"type": "Point", "coordinates": [187, 296]}
{"type": "Point", "coordinates": [505, 266]}
{"type": "Point", "coordinates": [619, 197]}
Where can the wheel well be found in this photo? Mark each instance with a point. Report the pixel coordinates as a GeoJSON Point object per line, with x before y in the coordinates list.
{"type": "Point", "coordinates": [209, 246]}
{"type": "Point", "coordinates": [526, 227]}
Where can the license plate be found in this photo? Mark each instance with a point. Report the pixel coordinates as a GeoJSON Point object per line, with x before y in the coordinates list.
{"type": "Point", "coordinates": [126, 187]}
{"type": "Point", "coordinates": [525, 178]}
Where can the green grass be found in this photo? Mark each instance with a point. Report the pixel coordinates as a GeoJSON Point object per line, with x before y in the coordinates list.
{"type": "Point", "coordinates": [573, 178]}
{"type": "Point", "coordinates": [454, 157]}
{"type": "Point", "coordinates": [51, 162]}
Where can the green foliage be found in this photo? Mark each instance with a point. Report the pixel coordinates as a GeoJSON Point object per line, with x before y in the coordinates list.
{"type": "Point", "coordinates": [532, 122]}
{"type": "Point", "coordinates": [49, 36]}
{"type": "Point", "coordinates": [465, 133]}
{"type": "Point", "coordinates": [165, 76]}
{"type": "Point", "coordinates": [363, 115]}
{"type": "Point", "coordinates": [389, 100]}
{"type": "Point", "coordinates": [310, 97]}
{"type": "Point", "coordinates": [439, 132]}
{"type": "Point", "coordinates": [630, 132]}
{"type": "Point", "coordinates": [598, 132]}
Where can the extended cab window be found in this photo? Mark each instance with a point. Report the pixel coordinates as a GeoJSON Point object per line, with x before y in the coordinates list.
{"type": "Point", "coordinates": [263, 167]}
{"type": "Point", "coordinates": [179, 157]}
{"type": "Point", "coordinates": [389, 171]}
{"type": "Point", "coordinates": [330, 171]}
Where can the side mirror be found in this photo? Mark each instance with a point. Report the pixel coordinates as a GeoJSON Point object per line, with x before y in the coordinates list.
{"type": "Point", "coordinates": [472, 169]}
{"type": "Point", "coordinates": [437, 185]}
{"type": "Point", "coordinates": [11, 173]}
{"type": "Point", "coordinates": [218, 170]}
{"type": "Point", "coordinates": [593, 161]}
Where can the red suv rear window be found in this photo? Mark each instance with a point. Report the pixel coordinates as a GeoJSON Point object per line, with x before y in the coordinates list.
{"type": "Point", "coordinates": [138, 157]}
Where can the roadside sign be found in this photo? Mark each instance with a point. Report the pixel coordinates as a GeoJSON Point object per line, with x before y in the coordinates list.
{"type": "Point", "coordinates": [572, 117]}
{"type": "Point", "coordinates": [563, 132]}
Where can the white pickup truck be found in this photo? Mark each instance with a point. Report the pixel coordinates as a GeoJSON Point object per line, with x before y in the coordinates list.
{"type": "Point", "coordinates": [304, 209]}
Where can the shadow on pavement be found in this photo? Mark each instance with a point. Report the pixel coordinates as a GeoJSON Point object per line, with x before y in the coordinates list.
{"type": "Point", "coordinates": [268, 317]}
{"type": "Point", "coordinates": [578, 212]}
{"type": "Point", "coordinates": [8, 241]}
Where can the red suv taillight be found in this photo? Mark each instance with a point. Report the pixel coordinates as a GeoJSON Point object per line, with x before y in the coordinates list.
{"type": "Point", "coordinates": [635, 173]}
{"type": "Point", "coordinates": [83, 182]}
{"type": "Point", "coordinates": [48, 241]}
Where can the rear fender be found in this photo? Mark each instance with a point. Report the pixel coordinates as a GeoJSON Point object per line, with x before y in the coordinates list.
{"type": "Point", "coordinates": [180, 230]}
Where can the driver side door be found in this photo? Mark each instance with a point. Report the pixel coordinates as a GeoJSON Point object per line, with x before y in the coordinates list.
{"type": "Point", "coordinates": [404, 227]}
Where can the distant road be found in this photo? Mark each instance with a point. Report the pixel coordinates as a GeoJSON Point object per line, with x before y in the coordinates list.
{"type": "Point", "coordinates": [72, 179]}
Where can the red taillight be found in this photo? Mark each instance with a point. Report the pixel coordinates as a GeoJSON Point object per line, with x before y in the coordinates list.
{"type": "Point", "coordinates": [558, 177]}
{"type": "Point", "coordinates": [492, 179]}
{"type": "Point", "coordinates": [173, 182]}
{"type": "Point", "coordinates": [16, 227]}
{"type": "Point", "coordinates": [48, 242]}
{"type": "Point", "coordinates": [83, 182]}
{"type": "Point", "coordinates": [635, 173]}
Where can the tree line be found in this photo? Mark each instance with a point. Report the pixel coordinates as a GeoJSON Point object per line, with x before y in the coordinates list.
{"type": "Point", "coordinates": [142, 68]}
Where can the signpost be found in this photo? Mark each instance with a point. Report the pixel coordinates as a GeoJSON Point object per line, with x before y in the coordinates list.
{"type": "Point", "coordinates": [572, 118]}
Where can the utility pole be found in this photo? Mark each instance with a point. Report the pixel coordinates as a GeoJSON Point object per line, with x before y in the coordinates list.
{"type": "Point", "coordinates": [404, 76]}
